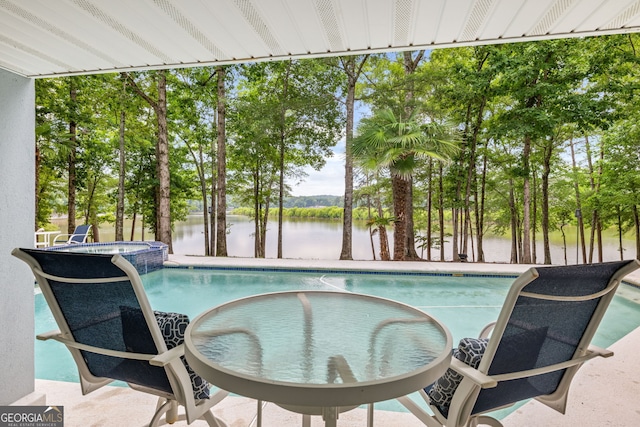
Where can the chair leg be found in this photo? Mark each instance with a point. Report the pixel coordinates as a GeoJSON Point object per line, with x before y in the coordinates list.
{"type": "Point", "coordinates": [426, 418]}
{"type": "Point", "coordinates": [172, 412]}
{"type": "Point", "coordinates": [163, 406]}
{"type": "Point", "coordinates": [212, 420]}
{"type": "Point", "coordinates": [488, 421]}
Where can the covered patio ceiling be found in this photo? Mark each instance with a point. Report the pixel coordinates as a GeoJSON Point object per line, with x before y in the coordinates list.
{"type": "Point", "coordinates": [44, 38]}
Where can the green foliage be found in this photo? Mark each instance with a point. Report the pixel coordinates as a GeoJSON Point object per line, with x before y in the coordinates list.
{"type": "Point", "coordinates": [313, 201]}
{"type": "Point", "coordinates": [284, 116]}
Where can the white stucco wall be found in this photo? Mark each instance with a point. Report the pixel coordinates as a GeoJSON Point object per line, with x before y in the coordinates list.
{"type": "Point", "coordinates": [17, 136]}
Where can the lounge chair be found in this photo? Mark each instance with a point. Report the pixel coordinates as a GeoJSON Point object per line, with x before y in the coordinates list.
{"type": "Point", "coordinates": [79, 235]}
{"type": "Point", "coordinates": [540, 340]}
{"type": "Point", "coordinates": [107, 324]}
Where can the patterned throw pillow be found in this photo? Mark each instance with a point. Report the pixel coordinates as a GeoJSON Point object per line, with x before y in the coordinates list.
{"type": "Point", "coordinates": [173, 326]}
{"type": "Point", "coordinates": [469, 351]}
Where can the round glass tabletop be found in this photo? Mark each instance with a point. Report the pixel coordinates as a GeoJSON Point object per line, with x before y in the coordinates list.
{"type": "Point", "coordinates": [317, 348]}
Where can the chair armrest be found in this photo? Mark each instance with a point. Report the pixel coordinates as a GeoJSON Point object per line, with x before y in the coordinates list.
{"type": "Point", "coordinates": [486, 331]}
{"type": "Point", "coordinates": [490, 381]}
{"type": "Point", "coordinates": [483, 380]}
{"type": "Point", "coordinates": [599, 351]}
{"type": "Point", "coordinates": [593, 352]}
{"type": "Point", "coordinates": [168, 356]}
{"type": "Point", "coordinates": [61, 238]}
{"type": "Point", "coordinates": [49, 335]}
{"type": "Point", "coordinates": [57, 335]}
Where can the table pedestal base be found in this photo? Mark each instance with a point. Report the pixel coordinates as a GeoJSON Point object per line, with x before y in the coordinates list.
{"type": "Point", "coordinates": [329, 415]}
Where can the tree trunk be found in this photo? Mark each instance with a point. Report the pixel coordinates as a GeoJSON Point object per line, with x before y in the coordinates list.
{"type": "Point", "coordinates": [384, 243]}
{"type": "Point", "coordinates": [441, 210]}
{"type": "Point", "coordinates": [353, 72]}
{"type": "Point", "coordinates": [455, 256]}
{"type": "Point", "coordinates": [526, 204]}
{"type": "Point", "coordinates": [471, 172]}
{"type": "Point", "coordinates": [221, 218]}
{"type": "Point", "coordinates": [400, 192]}
{"type": "Point", "coordinates": [480, 210]}
{"type": "Point", "coordinates": [205, 204]}
{"type": "Point", "coordinates": [600, 248]}
{"type": "Point", "coordinates": [133, 225]}
{"type": "Point", "coordinates": [429, 207]}
{"type": "Point", "coordinates": [121, 176]}
{"type": "Point", "coordinates": [620, 233]}
{"type": "Point", "coordinates": [576, 187]}
{"type": "Point", "coordinates": [410, 66]}
{"type": "Point", "coordinates": [71, 187]}
{"type": "Point", "coordinates": [636, 223]}
{"type": "Point", "coordinates": [382, 233]}
{"type": "Point", "coordinates": [410, 254]}
{"type": "Point", "coordinates": [163, 175]}
{"type": "Point", "coordinates": [213, 192]}
{"type": "Point", "coordinates": [280, 195]}
{"type": "Point", "coordinates": [256, 213]}
{"type": "Point", "coordinates": [564, 243]}
{"type": "Point", "coordinates": [595, 189]}
{"type": "Point", "coordinates": [90, 215]}
{"type": "Point", "coordinates": [369, 218]}
{"type": "Point", "coordinates": [283, 110]}
{"type": "Point", "coordinates": [514, 225]}
{"type": "Point", "coordinates": [346, 252]}
{"type": "Point", "coordinates": [534, 205]}
{"type": "Point", "coordinates": [546, 171]}
{"type": "Point", "coordinates": [472, 176]}
{"type": "Point", "coordinates": [162, 157]}
{"type": "Point", "coordinates": [263, 229]}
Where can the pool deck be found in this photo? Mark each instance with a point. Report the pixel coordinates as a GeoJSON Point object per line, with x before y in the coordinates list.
{"type": "Point", "coordinates": [603, 392]}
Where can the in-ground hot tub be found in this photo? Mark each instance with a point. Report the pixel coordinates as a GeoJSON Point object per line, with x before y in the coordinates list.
{"type": "Point", "coordinates": [145, 256]}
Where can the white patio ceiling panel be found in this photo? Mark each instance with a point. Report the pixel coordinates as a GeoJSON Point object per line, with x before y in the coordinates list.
{"type": "Point", "coordinates": [58, 37]}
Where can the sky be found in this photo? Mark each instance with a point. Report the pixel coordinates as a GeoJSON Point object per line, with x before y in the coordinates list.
{"type": "Point", "coordinates": [327, 181]}
{"type": "Point", "coordinates": [330, 179]}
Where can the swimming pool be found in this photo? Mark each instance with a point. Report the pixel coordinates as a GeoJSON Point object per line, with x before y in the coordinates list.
{"type": "Point", "coordinates": [464, 304]}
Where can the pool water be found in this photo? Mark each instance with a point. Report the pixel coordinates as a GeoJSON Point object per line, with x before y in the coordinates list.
{"type": "Point", "coordinates": [463, 304]}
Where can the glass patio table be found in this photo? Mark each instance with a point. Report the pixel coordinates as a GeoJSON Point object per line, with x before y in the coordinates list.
{"type": "Point", "coordinates": [318, 352]}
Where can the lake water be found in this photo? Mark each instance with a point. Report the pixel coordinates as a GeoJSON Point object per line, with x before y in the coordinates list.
{"type": "Point", "coordinates": [322, 239]}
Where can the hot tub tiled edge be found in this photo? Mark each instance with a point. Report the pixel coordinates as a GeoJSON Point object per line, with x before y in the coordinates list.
{"type": "Point", "coordinates": [145, 261]}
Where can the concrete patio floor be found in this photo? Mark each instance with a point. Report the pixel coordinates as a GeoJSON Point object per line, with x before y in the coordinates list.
{"type": "Point", "coordinates": [603, 392]}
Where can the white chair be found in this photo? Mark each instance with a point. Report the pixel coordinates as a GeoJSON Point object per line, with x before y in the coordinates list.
{"type": "Point", "coordinates": [79, 235]}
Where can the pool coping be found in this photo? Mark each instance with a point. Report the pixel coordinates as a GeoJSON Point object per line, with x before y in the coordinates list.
{"type": "Point", "coordinates": [457, 269]}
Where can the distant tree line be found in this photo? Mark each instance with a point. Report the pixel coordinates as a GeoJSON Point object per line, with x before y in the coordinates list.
{"type": "Point", "coordinates": [324, 212]}
{"type": "Point", "coordinates": [313, 201]}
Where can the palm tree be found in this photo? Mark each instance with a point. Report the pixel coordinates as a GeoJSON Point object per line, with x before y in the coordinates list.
{"type": "Point", "coordinates": [379, 224]}
{"type": "Point", "coordinates": [386, 141]}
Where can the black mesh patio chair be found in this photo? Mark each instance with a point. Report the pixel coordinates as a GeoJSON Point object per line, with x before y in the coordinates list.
{"type": "Point", "coordinates": [534, 349]}
{"type": "Point", "coordinates": [107, 324]}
